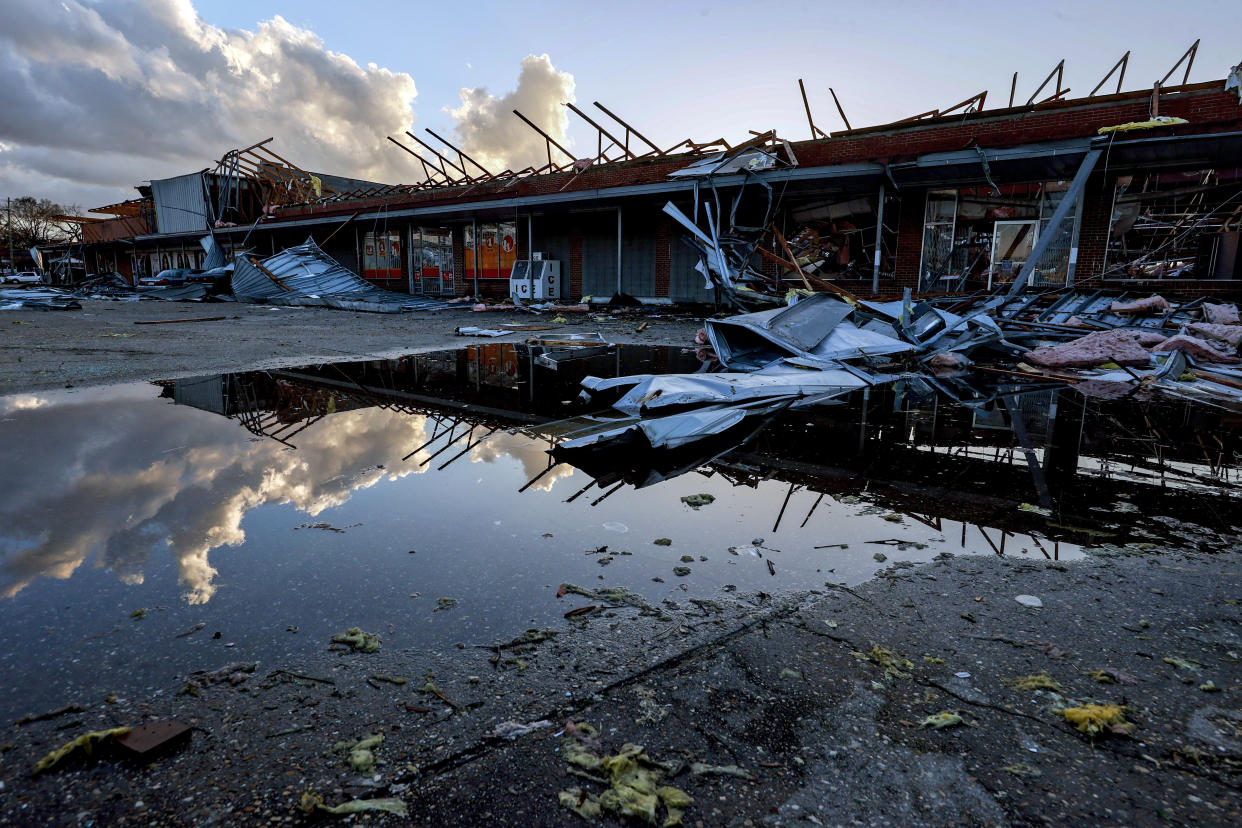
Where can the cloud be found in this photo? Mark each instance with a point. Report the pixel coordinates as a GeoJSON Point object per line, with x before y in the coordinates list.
{"type": "Point", "coordinates": [102, 95]}
{"type": "Point", "coordinates": [122, 498]}
{"type": "Point", "coordinates": [532, 455]}
{"type": "Point", "coordinates": [21, 402]}
{"type": "Point", "coordinates": [488, 130]}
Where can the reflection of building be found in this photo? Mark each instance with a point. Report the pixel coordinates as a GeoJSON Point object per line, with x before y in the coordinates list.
{"type": "Point", "coordinates": [916, 447]}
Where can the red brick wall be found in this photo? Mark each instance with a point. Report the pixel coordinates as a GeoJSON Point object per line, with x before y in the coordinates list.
{"type": "Point", "coordinates": [664, 255]}
{"type": "Point", "coordinates": [1097, 215]}
{"type": "Point", "coordinates": [909, 237]}
{"type": "Point", "coordinates": [1182, 289]}
{"type": "Point", "coordinates": [575, 263]}
{"type": "Point", "coordinates": [1202, 105]}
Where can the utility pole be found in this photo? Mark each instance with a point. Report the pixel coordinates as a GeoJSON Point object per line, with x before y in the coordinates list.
{"type": "Point", "coordinates": [11, 266]}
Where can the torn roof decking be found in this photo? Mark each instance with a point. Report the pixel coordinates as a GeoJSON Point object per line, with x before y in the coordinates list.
{"type": "Point", "coordinates": [1208, 107]}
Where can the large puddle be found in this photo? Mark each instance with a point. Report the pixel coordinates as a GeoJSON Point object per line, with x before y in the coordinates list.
{"type": "Point", "coordinates": [276, 508]}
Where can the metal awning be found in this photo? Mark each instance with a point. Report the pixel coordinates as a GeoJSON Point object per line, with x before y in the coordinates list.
{"type": "Point", "coordinates": [1213, 149]}
{"type": "Point", "coordinates": [1029, 162]}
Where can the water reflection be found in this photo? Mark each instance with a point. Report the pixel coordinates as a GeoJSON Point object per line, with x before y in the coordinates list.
{"type": "Point", "coordinates": [117, 475]}
{"type": "Point", "coordinates": [121, 475]}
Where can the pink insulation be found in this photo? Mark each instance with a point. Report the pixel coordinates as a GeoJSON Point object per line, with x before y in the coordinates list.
{"type": "Point", "coordinates": [1197, 348]}
{"type": "Point", "coordinates": [1220, 314]}
{"type": "Point", "coordinates": [1152, 304]}
{"type": "Point", "coordinates": [1148, 338]}
{"type": "Point", "coordinates": [1230, 333]}
{"type": "Point", "coordinates": [947, 362]}
{"type": "Point", "coordinates": [1120, 346]}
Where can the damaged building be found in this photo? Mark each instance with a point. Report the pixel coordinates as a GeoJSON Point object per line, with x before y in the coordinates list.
{"type": "Point", "coordinates": [1136, 192]}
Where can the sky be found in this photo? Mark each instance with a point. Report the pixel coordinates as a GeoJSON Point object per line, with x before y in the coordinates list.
{"type": "Point", "coordinates": [105, 94]}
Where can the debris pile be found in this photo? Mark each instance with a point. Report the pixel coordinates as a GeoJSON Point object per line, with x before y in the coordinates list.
{"type": "Point", "coordinates": [42, 298]}
{"type": "Point", "coordinates": [305, 276]}
{"type": "Point", "coordinates": [821, 347]}
{"type": "Point", "coordinates": [116, 287]}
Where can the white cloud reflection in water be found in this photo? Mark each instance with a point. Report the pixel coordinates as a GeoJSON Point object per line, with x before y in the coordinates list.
{"type": "Point", "coordinates": [530, 454]}
{"type": "Point", "coordinates": [88, 479]}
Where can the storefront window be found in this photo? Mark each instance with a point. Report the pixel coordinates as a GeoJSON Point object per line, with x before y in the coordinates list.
{"type": "Point", "coordinates": [1171, 225]}
{"type": "Point", "coordinates": [979, 237]}
{"type": "Point", "coordinates": [495, 252]}
{"type": "Point", "coordinates": [431, 261]}
{"type": "Point", "coordinates": [381, 255]}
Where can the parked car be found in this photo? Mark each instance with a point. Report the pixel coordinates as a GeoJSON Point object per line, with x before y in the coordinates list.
{"type": "Point", "coordinates": [26, 277]}
{"type": "Point", "coordinates": [206, 276]}
{"type": "Point", "coordinates": [172, 276]}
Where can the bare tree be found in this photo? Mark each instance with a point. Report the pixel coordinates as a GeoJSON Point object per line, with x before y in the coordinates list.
{"type": "Point", "coordinates": [38, 221]}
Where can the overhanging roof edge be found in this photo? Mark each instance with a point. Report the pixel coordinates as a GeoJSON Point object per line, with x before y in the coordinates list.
{"type": "Point", "coordinates": [1071, 146]}
{"type": "Point", "coordinates": [858, 170]}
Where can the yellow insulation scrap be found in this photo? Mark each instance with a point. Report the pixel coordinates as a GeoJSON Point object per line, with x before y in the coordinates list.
{"type": "Point", "coordinates": [361, 753]}
{"type": "Point", "coordinates": [356, 639]}
{"type": "Point", "coordinates": [312, 801]}
{"type": "Point", "coordinates": [576, 751]}
{"type": "Point", "coordinates": [940, 721]}
{"type": "Point", "coordinates": [634, 782]}
{"type": "Point", "coordinates": [86, 743]}
{"type": "Point", "coordinates": [1129, 126]}
{"type": "Point", "coordinates": [895, 666]}
{"type": "Point", "coordinates": [1038, 681]}
{"type": "Point", "coordinates": [583, 804]}
{"type": "Point", "coordinates": [1094, 719]}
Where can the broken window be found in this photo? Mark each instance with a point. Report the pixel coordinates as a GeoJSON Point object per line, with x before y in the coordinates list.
{"type": "Point", "coordinates": [431, 261]}
{"type": "Point", "coordinates": [1171, 225]}
{"type": "Point", "coordinates": [983, 236]}
{"type": "Point", "coordinates": [837, 237]}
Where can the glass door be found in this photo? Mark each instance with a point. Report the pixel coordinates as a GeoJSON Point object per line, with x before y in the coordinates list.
{"type": "Point", "coordinates": [1012, 243]}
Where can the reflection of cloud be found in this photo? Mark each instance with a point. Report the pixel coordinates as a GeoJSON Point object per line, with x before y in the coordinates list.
{"type": "Point", "coordinates": [533, 456]}
{"type": "Point", "coordinates": [21, 402]}
{"type": "Point", "coordinates": [88, 478]}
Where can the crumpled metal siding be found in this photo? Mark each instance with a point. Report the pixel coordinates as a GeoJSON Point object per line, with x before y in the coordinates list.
{"type": "Point", "coordinates": [305, 275]}
{"type": "Point", "coordinates": [792, 330]}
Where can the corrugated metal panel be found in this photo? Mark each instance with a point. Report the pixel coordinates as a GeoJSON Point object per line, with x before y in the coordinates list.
{"type": "Point", "coordinates": [305, 275]}
{"type": "Point", "coordinates": [179, 204]}
{"type": "Point", "coordinates": [638, 250]}
{"type": "Point", "coordinates": [599, 253]}
{"type": "Point", "coordinates": [205, 393]}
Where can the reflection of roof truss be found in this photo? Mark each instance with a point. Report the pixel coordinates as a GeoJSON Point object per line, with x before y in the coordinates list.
{"type": "Point", "coordinates": [295, 409]}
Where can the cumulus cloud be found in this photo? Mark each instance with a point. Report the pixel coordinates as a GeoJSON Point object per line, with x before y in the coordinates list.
{"type": "Point", "coordinates": [102, 95]}
{"type": "Point", "coordinates": [489, 131]}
